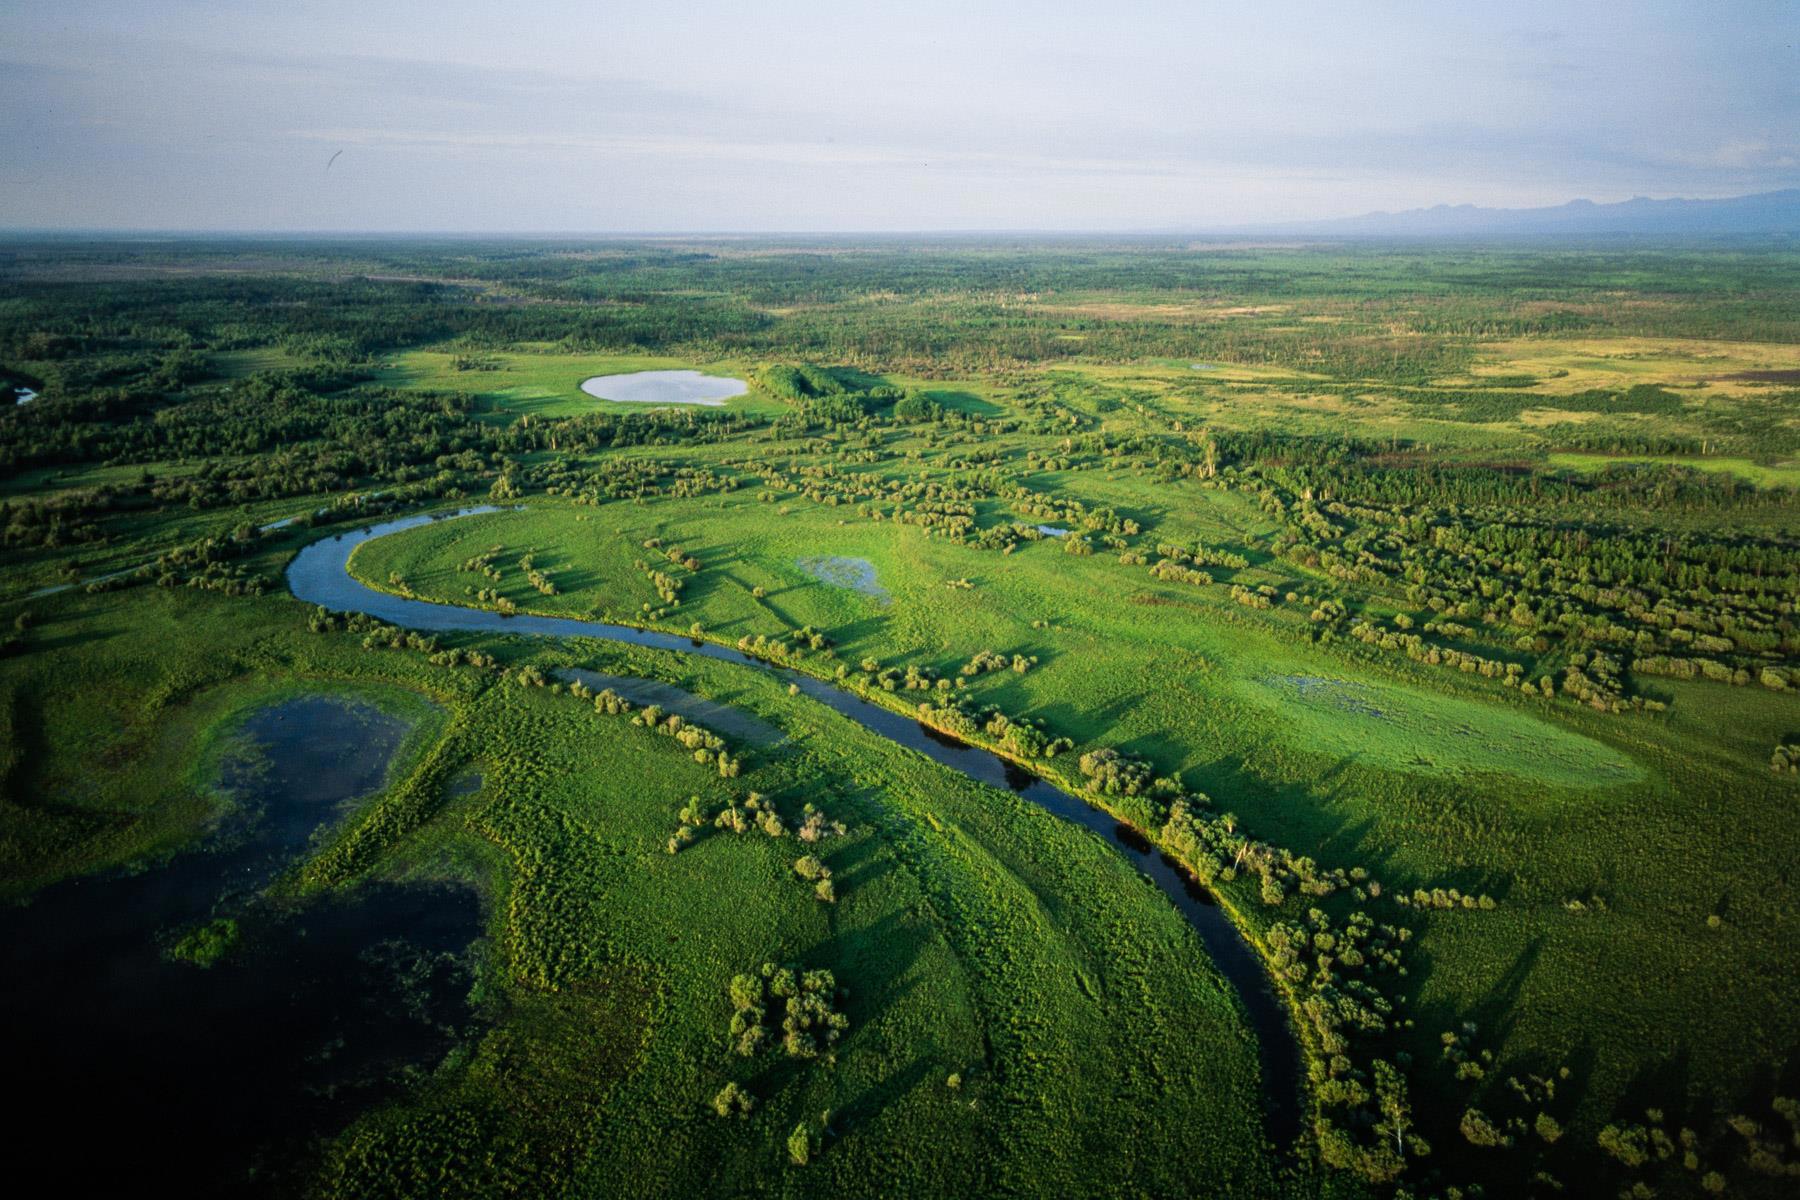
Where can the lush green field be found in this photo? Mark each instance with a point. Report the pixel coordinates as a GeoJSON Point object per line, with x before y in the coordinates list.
{"type": "Point", "coordinates": [978, 936]}
{"type": "Point", "coordinates": [543, 383]}
{"type": "Point", "coordinates": [1423, 784]}
{"type": "Point", "coordinates": [1183, 692]}
{"type": "Point", "coordinates": [1781, 474]}
{"type": "Point", "coordinates": [1443, 625]}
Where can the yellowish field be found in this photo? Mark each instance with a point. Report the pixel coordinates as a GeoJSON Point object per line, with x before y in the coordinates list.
{"type": "Point", "coordinates": [1566, 365]}
{"type": "Point", "coordinates": [1116, 310]}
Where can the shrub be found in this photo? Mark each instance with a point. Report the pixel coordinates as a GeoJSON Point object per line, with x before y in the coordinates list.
{"type": "Point", "coordinates": [733, 1101]}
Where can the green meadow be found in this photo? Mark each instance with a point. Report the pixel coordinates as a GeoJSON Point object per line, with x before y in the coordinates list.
{"type": "Point", "coordinates": [1780, 474]}
{"type": "Point", "coordinates": [1179, 691]}
{"type": "Point", "coordinates": [1425, 783]}
{"type": "Point", "coordinates": [980, 937]}
{"type": "Point", "coordinates": [540, 382]}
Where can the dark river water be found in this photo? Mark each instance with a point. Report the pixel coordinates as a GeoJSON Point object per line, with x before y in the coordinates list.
{"type": "Point", "coordinates": [320, 575]}
{"type": "Point", "coordinates": [135, 1070]}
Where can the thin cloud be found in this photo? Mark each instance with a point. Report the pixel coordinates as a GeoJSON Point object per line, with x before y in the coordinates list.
{"type": "Point", "coordinates": [812, 115]}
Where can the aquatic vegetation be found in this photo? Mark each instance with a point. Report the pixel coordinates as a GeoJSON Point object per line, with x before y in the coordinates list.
{"type": "Point", "coordinates": [206, 944]}
{"type": "Point", "coordinates": [857, 574]}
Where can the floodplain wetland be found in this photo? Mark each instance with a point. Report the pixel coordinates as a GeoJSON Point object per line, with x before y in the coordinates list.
{"type": "Point", "coordinates": [1091, 717]}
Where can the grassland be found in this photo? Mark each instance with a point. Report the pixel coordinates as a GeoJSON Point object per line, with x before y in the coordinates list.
{"type": "Point", "coordinates": [979, 936]}
{"type": "Point", "coordinates": [542, 382]}
{"type": "Point", "coordinates": [1184, 693]}
{"type": "Point", "coordinates": [1778, 474]}
{"type": "Point", "coordinates": [1423, 783]}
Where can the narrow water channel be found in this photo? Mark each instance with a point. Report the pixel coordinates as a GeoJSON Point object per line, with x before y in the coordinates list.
{"type": "Point", "coordinates": [320, 575]}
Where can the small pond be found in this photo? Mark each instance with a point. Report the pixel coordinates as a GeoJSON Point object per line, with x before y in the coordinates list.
{"type": "Point", "coordinates": [666, 387]}
{"type": "Point", "coordinates": [1053, 531]}
{"type": "Point", "coordinates": [857, 574]}
{"type": "Point", "coordinates": [207, 1080]}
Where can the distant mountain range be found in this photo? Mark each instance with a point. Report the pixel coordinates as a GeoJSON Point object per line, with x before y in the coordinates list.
{"type": "Point", "coordinates": [1765, 213]}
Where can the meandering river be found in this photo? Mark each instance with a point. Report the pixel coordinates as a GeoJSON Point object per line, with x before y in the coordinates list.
{"type": "Point", "coordinates": [320, 575]}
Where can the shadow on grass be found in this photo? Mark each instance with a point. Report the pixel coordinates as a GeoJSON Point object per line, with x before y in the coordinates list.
{"type": "Point", "coordinates": [1494, 1015]}
{"type": "Point", "coordinates": [874, 962]}
{"type": "Point", "coordinates": [35, 643]}
{"type": "Point", "coordinates": [855, 863]}
{"type": "Point", "coordinates": [868, 1106]}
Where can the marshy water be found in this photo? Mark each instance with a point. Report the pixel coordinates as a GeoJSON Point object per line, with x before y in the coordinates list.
{"type": "Point", "coordinates": [1339, 693]}
{"type": "Point", "coordinates": [212, 1080]}
{"type": "Point", "coordinates": [857, 574]}
{"type": "Point", "coordinates": [666, 387]}
{"type": "Point", "coordinates": [320, 575]}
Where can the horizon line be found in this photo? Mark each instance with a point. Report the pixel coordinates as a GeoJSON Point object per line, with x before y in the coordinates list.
{"type": "Point", "coordinates": [1296, 227]}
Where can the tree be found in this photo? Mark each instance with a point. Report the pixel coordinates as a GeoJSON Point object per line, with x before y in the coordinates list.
{"type": "Point", "coordinates": [800, 1145]}
{"type": "Point", "coordinates": [1630, 1144]}
{"type": "Point", "coordinates": [1396, 1111]}
{"type": "Point", "coordinates": [733, 1100]}
{"type": "Point", "coordinates": [1480, 1131]}
{"type": "Point", "coordinates": [746, 992]}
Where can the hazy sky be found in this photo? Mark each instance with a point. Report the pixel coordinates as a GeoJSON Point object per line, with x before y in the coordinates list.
{"type": "Point", "coordinates": [664, 115]}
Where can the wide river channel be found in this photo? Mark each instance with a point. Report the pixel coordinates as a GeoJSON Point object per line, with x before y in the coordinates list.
{"type": "Point", "coordinates": [320, 575]}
